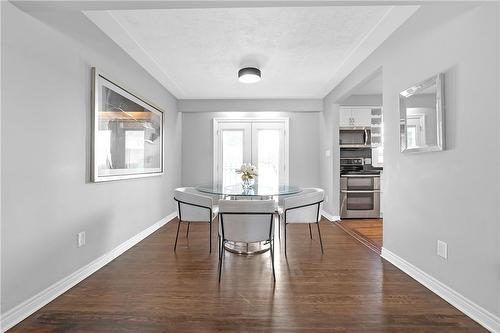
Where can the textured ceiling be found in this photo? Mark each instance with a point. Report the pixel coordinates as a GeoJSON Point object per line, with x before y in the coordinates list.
{"type": "Point", "coordinates": [299, 50]}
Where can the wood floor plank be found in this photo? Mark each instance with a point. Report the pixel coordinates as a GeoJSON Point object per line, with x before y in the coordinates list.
{"type": "Point", "coordinates": [367, 231]}
{"type": "Point", "coordinates": [150, 288]}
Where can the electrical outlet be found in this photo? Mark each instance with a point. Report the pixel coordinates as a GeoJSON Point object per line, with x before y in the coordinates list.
{"type": "Point", "coordinates": [442, 249]}
{"type": "Point", "coordinates": [81, 239]}
{"type": "Point", "coordinates": [326, 198]}
{"type": "Point", "coordinates": [327, 153]}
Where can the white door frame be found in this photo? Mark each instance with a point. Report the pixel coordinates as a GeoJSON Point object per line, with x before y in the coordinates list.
{"type": "Point", "coordinates": [216, 148]}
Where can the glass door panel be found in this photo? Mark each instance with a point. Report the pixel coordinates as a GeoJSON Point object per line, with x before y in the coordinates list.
{"type": "Point", "coordinates": [232, 156]}
{"type": "Point", "coordinates": [234, 150]}
{"type": "Point", "coordinates": [268, 153]}
{"type": "Point", "coordinates": [268, 158]}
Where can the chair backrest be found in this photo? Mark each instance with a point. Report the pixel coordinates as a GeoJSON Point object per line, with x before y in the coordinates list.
{"type": "Point", "coordinates": [192, 205]}
{"type": "Point", "coordinates": [304, 207]}
{"type": "Point", "coordinates": [246, 220]}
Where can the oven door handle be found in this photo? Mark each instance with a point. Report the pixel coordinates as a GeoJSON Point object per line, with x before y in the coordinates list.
{"type": "Point", "coordinates": [360, 191]}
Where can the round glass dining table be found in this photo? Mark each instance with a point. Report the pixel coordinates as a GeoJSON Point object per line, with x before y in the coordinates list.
{"type": "Point", "coordinates": [257, 191]}
{"type": "Point", "coordinates": [237, 190]}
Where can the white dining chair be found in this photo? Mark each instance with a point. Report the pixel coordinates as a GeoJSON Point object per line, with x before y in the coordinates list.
{"type": "Point", "coordinates": [302, 208]}
{"type": "Point", "coordinates": [246, 221]}
{"type": "Point", "coordinates": [192, 206]}
{"type": "Point", "coordinates": [279, 210]}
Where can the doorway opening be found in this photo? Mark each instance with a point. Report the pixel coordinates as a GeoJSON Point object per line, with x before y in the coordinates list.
{"type": "Point", "coordinates": [361, 154]}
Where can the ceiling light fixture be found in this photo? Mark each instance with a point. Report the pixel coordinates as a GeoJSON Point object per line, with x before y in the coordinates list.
{"type": "Point", "coordinates": [249, 75]}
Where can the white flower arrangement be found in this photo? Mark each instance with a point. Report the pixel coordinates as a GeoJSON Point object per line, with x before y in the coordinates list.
{"type": "Point", "coordinates": [247, 171]}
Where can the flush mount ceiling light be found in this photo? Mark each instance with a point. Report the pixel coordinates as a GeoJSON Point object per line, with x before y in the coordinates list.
{"type": "Point", "coordinates": [249, 75]}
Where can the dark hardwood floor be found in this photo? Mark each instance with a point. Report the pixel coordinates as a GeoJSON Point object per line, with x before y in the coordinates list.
{"type": "Point", "coordinates": [367, 231]}
{"type": "Point", "coordinates": [152, 289]}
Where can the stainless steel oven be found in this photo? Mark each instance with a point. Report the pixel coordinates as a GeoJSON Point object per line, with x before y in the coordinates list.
{"type": "Point", "coordinates": [360, 196]}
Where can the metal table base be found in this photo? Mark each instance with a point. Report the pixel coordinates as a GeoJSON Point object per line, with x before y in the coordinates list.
{"type": "Point", "coordinates": [247, 248]}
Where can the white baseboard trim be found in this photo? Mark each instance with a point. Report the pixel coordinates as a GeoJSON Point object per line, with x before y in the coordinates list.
{"type": "Point", "coordinates": [485, 318]}
{"type": "Point", "coordinates": [28, 307]}
{"type": "Point", "coordinates": [329, 216]}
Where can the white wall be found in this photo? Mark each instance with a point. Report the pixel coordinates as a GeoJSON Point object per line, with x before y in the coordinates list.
{"type": "Point", "coordinates": [442, 195]}
{"type": "Point", "coordinates": [329, 165]}
{"type": "Point", "coordinates": [197, 145]}
{"type": "Point", "coordinates": [46, 194]}
{"type": "Point", "coordinates": [250, 105]}
{"type": "Point", "coordinates": [362, 100]}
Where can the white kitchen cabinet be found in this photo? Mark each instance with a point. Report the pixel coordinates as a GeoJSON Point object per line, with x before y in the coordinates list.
{"type": "Point", "coordinates": [355, 117]}
{"type": "Point", "coordinates": [378, 156]}
{"type": "Point", "coordinates": [362, 117]}
{"type": "Point", "coordinates": [345, 118]}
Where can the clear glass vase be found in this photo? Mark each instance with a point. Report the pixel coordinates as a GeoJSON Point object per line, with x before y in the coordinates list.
{"type": "Point", "coordinates": [248, 183]}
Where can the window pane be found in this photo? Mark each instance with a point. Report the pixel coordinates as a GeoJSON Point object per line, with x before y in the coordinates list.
{"type": "Point", "coordinates": [411, 132]}
{"type": "Point", "coordinates": [268, 165]}
{"type": "Point", "coordinates": [232, 156]}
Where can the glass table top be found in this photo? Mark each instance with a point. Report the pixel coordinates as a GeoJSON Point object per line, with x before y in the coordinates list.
{"type": "Point", "coordinates": [256, 190]}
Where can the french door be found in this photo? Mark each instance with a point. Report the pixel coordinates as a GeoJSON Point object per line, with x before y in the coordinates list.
{"type": "Point", "coordinates": [263, 143]}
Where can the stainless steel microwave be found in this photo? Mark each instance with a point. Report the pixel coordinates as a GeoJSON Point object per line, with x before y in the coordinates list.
{"type": "Point", "coordinates": [355, 137]}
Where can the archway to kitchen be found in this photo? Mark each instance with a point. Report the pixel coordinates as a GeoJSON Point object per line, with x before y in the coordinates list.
{"type": "Point", "coordinates": [361, 161]}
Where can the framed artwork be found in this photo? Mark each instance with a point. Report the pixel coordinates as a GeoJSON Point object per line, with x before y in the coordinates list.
{"type": "Point", "coordinates": [127, 133]}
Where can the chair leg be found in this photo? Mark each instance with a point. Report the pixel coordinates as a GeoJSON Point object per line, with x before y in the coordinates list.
{"type": "Point", "coordinates": [274, 248]}
{"type": "Point", "coordinates": [177, 235]}
{"type": "Point", "coordinates": [220, 259]}
{"type": "Point", "coordinates": [285, 237]}
{"type": "Point", "coordinates": [279, 226]}
{"type": "Point", "coordinates": [310, 233]}
{"type": "Point", "coordinates": [187, 230]}
{"type": "Point", "coordinates": [210, 237]}
{"type": "Point", "coordinates": [272, 260]}
{"type": "Point", "coordinates": [320, 241]}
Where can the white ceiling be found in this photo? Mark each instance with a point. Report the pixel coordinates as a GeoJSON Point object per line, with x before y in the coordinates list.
{"type": "Point", "coordinates": [302, 52]}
